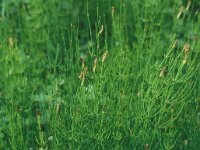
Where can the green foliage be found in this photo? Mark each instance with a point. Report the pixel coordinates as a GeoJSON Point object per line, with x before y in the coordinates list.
{"type": "Point", "coordinates": [99, 74]}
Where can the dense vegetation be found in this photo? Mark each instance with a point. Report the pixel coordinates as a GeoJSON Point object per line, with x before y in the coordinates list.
{"type": "Point", "coordinates": [99, 74]}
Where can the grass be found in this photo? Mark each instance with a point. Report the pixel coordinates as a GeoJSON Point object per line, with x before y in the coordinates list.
{"type": "Point", "coordinates": [99, 74]}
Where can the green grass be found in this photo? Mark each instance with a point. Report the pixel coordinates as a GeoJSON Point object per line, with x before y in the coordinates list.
{"type": "Point", "coordinates": [141, 95]}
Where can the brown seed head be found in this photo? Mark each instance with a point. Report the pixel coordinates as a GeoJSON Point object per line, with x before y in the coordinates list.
{"type": "Point", "coordinates": [82, 62]}
{"type": "Point", "coordinates": [83, 73]}
{"type": "Point", "coordinates": [85, 70]}
{"type": "Point", "coordinates": [186, 48]}
{"type": "Point", "coordinates": [147, 147]}
{"type": "Point", "coordinates": [95, 64]}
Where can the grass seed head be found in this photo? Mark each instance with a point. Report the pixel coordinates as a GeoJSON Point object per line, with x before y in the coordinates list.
{"type": "Point", "coordinates": [102, 28]}
{"type": "Point", "coordinates": [188, 5]}
{"type": "Point", "coordinates": [83, 73]}
{"type": "Point", "coordinates": [95, 65]}
{"type": "Point", "coordinates": [175, 44]}
{"type": "Point", "coordinates": [104, 56]}
{"type": "Point", "coordinates": [163, 72]}
{"type": "Point", "coordinates": [186, 48]}
{"type": "Point", "coordinates": [82, 62]}
{"type": "Point", "coordinates": [180, 12]}
{"type": "Point", "coordinates": [113, 11]}
{"type": "Point", "coordinates": [186, 142]}
{"type": "Point", "coordinates": [186, 51]}
{"type": "Point", "coordinates": [57, 108]}
{"type": "Point", "coordinates": [147, 147]}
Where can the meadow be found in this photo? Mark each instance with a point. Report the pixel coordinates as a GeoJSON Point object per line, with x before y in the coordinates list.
{"type": "Point", "coordinates": [99, 74]}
